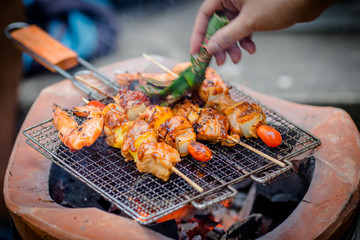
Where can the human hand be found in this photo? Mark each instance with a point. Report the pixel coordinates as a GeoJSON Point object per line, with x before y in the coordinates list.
{"type": "Point", "coordinates": [246, 17]}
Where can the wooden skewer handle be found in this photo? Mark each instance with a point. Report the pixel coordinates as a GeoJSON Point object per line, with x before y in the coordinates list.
{"type": "Point", "coordinates": [258, 152]}
{"type": "Point", "coordinates": [43, 48]}
{"type": "Point", "coordinates": [188, 180]}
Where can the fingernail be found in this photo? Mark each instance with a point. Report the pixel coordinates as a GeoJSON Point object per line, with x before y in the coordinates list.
{"type": "Point", "coordinates": [213, 48]}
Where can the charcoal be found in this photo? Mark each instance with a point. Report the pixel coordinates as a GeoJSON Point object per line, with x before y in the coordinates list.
{"type": "Point", "coordinates": [219, 230]}
{"type": "Point", "coordinates": [197, 237]}
{"type": "Point", "coordinates": [205, 219]}
{"type": "Point", "coordinates": [183, 235]}
{"type": "Point", "coordinates": [211, 235]}
{"type": "Point", "coordinates": [190, 228]}
{"type": "Point", "coordinates": [249, 228]}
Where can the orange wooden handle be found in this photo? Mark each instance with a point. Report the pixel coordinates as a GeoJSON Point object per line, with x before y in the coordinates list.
{"type": "Point", "coordinates": [35, 40]}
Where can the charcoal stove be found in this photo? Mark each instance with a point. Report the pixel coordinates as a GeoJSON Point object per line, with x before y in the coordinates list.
{"type": "Point", "coordinates": [329, 202]}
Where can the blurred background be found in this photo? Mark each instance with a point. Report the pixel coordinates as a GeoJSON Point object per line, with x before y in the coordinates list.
{"type": "Point", "coordinates": [312, 63]}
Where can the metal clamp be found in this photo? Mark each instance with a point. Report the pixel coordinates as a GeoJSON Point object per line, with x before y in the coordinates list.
{"type": "Point", "coordinates": [271, 175]}
{"type": "Point", "coordinates": [224, 194]}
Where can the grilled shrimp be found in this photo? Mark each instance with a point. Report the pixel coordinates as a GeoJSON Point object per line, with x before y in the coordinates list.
{"type": "Point", "coordinates": [76, 136]}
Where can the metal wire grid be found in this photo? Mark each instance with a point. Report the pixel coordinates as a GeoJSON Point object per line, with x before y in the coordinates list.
{"type": "Point", "coordinates": [146, 198]}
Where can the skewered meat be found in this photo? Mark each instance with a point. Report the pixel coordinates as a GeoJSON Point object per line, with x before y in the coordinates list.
{"type": "Point", "coordinates": [156, 115]}
{"type": "Point", "coordinates": [211, 126]}
{"type": "Point", "coordinates": [178, 133]}
{"type": "Point", "coordinates": [245, 119]}
{"type": "Point", "coordinates": [138, 133]}
{"type": "Point", "coordinates": [175, 131]}
{"type": "Point", "coordinates": [158, 159]}
{"type": "Point", "coordinates": [208, 124]}
{"type": "Point", "coordinates": [114, 119]}
{"type": "Point", "coordinates": [133, 102]}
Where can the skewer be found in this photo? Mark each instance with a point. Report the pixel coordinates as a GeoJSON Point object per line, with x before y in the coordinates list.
{"type": "Point", "coordinates": [188, 180]}
{"type": "Point", "coordinates": [160, 65]}
{"type": "Point", "coordinates": [175, 170]}
{"type": "Point", "coordinates": [92, 86]}
{"type": "Point", "coordinates": [257, 152]}
{"type": "Point", "coordinates": [231, 138]}
{"type": "Point", "coordinates": [85, 100]}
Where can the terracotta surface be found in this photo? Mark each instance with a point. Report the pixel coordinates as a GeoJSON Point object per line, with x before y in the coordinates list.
{"type": "Point", "coordinates": [332, 196]}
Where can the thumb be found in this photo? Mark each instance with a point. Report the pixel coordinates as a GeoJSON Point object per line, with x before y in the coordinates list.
{"type": "Point", "coordinates": [227, 36]}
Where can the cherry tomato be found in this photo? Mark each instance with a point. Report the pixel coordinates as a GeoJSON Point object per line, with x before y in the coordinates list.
{"type": "Point", "coordinates": [269, 135]}
{"type": "Point", "coordinates": [199, 151]}
{"type": "Point", "coordinates": [97, 104]}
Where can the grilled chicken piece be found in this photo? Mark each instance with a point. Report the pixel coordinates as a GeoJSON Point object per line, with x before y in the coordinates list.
{"type": "Point", "coordinates": [138, 133]}
{"type": "Point", "coordinates": [178, 133]}
{"type": "Point", "coordinates": [244, 117]}
{"type": "Point", "coordinates": [212, 87]}
{"type": "Point", "coordinates": [208, 124]}
{"type": "Point", "coordinates": [211, 126]}
{"type": "Point", "coordinates": [157, 158]}
{"type": "Point", "coordinates": [133, 102]}
{"type": "Point", "coordinates": [188, 109]}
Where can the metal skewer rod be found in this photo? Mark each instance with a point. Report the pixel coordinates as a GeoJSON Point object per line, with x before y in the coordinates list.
{"type": "Point", "coordinates": [160, 65]}
{"type": "Point", "coordinates": [257, 152]}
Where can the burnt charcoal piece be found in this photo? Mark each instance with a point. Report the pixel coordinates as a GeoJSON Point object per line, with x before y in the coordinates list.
{"type": "Point", "coordinates": [249, 228]}
{"type": "Point", "coordinates": [219, 230]}
{"type": "Point", "coordinates": [183, 235]}
{"type": "Point", "coordinates": [197, 237]}
{"type": "Point", "coordinates": [211, 235]}
{"type": "Point", "coordinates": [190, 228]}
{"type": "Point", "coordinates": [167, 228]}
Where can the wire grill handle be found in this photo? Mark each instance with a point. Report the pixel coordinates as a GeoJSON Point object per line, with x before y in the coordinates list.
{"type": "Point", "coordinates": [271, 175]}
{"type": "Point", "coordinates": [50, 53]}
{"type": "Point", "coordinates": [226, 193]}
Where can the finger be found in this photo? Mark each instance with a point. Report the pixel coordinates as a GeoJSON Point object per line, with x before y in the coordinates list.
{"type": "Point", "coordinates": [227, 36]}
{"type": "Point", "coordinates": [202, 19]}
{"type": "Point", "coordinates": [248, 44]}
{"type": "Point", "coordinates": [234, 53]}
{"type": "Point", "coordinates": [220, 57]}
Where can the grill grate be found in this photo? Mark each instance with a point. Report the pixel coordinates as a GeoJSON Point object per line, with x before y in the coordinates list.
{"type": "Point", "coordinates": [146, 198]}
